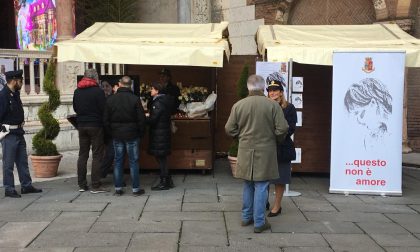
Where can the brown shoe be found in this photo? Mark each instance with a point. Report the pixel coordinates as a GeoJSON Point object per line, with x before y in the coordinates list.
{"type": "Point", "coordinates": [262, 228]}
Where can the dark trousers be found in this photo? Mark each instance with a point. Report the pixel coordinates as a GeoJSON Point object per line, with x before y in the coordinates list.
{"type": "Point", "coordinates": [90, 136]}
{"type": "Point", "coordinates": [14, 152]}
{"type": "Point", "coordinates": [163, 166]}
{"type": "Point", "coordinates": [108, 159]}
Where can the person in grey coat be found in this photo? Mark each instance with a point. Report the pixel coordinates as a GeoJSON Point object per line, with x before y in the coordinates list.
{"type": "Point", "coordinates": [259, 124]}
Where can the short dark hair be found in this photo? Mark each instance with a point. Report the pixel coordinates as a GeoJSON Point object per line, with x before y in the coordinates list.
{"type": "Point", "coordinates": [157, 86]}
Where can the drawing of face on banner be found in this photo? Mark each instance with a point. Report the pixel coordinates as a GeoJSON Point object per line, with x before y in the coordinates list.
{"type": "Point", "coordinates": [370, 104]}
{"type": "Point", "coordinates": [277, 71]}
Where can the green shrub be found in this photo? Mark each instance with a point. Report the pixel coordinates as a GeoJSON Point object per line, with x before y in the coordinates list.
{"type": "Point", "coordinates": [242, 92]}
{"type": "Point", "coordinates": [42, 141]}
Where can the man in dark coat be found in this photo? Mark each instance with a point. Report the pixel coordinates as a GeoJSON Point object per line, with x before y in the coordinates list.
{"type": "Point", "coordinates": [169, 88]}
{"type": "Point", "coordinates": [125, 121]}
{"type": "Point", "coordinates": [160, 133]}
{"type": "Point", "coordinates": [89, 103]}
{"type": "Point", "coordinates": [14, 144]}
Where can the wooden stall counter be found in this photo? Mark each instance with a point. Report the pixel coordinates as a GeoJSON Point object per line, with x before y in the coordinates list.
{"type": "Point", "coordinates": [192, 146]}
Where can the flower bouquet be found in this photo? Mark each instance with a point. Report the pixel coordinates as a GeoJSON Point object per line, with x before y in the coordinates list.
{"type": "Point", "coordinates": [196, 101]}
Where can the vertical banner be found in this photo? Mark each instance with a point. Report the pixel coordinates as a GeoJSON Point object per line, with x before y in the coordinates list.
{"type": "Point", "coordinates": [366, 130]}
{"type": "Point", "coordinates": [274, 71]}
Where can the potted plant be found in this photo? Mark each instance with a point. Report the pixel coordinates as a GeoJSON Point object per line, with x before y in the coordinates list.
{"type": "Point", "coordinates": [242, 92]}
{"type": "Point", "coordinates": [46, 158]}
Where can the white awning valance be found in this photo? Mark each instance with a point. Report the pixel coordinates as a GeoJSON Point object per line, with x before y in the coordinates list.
{"type": "Point", "coordinates": [148, 44]}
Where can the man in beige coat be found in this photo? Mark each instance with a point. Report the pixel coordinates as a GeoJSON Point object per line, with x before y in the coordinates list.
{"type": "Point", "coordinates": [259, 123]}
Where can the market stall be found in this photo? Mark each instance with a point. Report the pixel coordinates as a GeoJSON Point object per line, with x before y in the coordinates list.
{"type": "Point", "coordinates": [310, 49]}
{"type": "Point", "coordinates": [192, 52]}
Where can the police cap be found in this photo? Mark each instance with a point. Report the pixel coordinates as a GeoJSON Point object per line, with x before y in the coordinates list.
{"type": "Point", "coordinates": [13, 75]}
{"type": "Point", "coordinates": [275, 85]}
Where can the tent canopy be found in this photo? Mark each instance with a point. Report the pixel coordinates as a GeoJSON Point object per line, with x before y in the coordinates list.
{"type": "Point", "coordinates": [315, 44]}
{"type": "Point", "coordinates": [148, 44]}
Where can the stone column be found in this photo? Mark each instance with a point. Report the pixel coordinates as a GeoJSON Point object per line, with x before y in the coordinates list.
{"type": "Point", "coordinates": [184, 11]}
{"type": "Point", "coordinates": [200, 11]}
{"type": "Point", "coordinates": [65, 19]}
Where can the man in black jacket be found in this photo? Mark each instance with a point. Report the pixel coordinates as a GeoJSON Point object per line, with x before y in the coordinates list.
{"type": "Point", "coordinates": [125, 120]}
{"type": "Point", "coordinates": [88, 103]}
{"type": "Point", "coordinates": [169, 88]}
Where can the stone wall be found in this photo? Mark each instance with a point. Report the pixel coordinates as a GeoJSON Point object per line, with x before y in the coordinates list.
{"type": "Point", "coordinates": [158, 11]}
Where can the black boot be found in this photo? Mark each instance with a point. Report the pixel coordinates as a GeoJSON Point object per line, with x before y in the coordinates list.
{"type": "Point", "coordinates": [163, 184]}
{"type": "Point", "coordinates": [171, 182]}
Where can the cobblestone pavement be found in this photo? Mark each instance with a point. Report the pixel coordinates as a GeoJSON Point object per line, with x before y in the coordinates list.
{"type": "Point", "coordinates": [202, 213]}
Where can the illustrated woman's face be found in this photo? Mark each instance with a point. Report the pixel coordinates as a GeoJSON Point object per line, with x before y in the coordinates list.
{"type": "Point", "coordinates": [373, 118]}
{"type": "Point", "coordinates": [154, 92]}
{"type": "Point", "coordinates": [275, 94]}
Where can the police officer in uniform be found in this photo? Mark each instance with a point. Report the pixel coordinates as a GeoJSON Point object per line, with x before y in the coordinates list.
{"type": "Point", "coordinates": [13, 144]}
{"type": "Point", "coordinates": [169, 88]}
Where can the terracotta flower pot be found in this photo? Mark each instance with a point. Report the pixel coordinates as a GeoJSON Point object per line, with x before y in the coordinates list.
{"type": "Point", "coordinates": [45, 166]}
{"type": "Point", "coordinates": [232, 162]}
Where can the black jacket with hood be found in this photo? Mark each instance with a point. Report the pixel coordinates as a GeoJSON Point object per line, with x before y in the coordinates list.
{"type": "Point", "coordinates": [160, 125]}
{"type": "Point", "coordinates": [88, 103]}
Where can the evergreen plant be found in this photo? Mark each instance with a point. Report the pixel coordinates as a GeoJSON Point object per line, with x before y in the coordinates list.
{"type": "Point", "coordinates": [242, 92]}
{"type": "Point", "coordinates": [42, 141]}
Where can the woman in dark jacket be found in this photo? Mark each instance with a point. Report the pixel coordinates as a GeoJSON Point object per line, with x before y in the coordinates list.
{"type": "Point", "coordinates": [286, 150]}
{"type": "Point", "coordinates": [159, 121]}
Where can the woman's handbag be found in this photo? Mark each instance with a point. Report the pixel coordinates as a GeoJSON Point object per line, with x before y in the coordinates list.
{"type": "Point", "coordinates": [287, 151]}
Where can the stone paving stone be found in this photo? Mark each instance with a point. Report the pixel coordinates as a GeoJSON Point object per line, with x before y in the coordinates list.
{"type": "Point", "coordinates": [154, 242]}
{"type": "Point", "coordinates": [122, 212]}
{"type": "Point", "coordinates": [289, 215]}
{"type": "Point", "coordinates": [352, 242]}
{"type": "Point", "coordinates": [411, 222]}
{"type": "Point", "coordinates": [341, 198]}
{"type": "Point", "coordinates": [127, 199]}
{"type": "Point", "coordinates": [402, 249]}
{"type": "Point", "coordinates": [70, 207]}
{"type": "Point", "coordinates": [307, 249]}
{"type": "Point", "coordinates": [56, 249]}
{"type": "Point", "coordinates": [101, 249]}
{"type": "Point", "coordinates": [78, 239]}
{"type": "Point", "coordinates": [230, 198]}
{"type": "Point", "coordinates": [404, 200]}
{"type": "Point", "coordinates": [183, 216]}
{"type": "Point", "coordinates": [250, 248]}
{"type": "Point", "coordinates": [316, 207]}
{"type": "Point", "coordinates": [415, 207]}
{"type": "Point", "coordinates": [233, 224]}
{"type": "Point", "coordinates": [212, 207]}
{"type": "Point", "coordinates": [397, 240]}
{"type": "Point", "coordinates": [144, 226]}
{"type": "Point", "coordinates": [9, 204]}
{"type": "Point", "coordinates": [19, 234]}
{"type": "Point", "coordinates": [382, 228]}
{"type": "Point", "coordinates": [28, 216]}
{"type": "Point", "coordinates": [203, 233]}
{"type": "Point", "coordinates": [59, 195]}
{"type": "Point", "coordinates": [199, 198]}
{"type": "Point", "coordinates": [230, 189]}
{"type": "Point", "coordinates": [202, 191]}
{"type": "Point", "coordinates": [161, 205]}
{"type": "Point", "coordinates": [273, 240]}
{"type": "Point", "coordinates": [373, 208]}
{"type": "Point", "coordinates": [315, 227]}
{"type": "Point", "coordinates": [73, 222]}
{"type": "Point", "coordinates": [346, 216]}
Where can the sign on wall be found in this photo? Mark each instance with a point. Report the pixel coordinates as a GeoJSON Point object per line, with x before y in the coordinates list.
{"type": "Point", "coordinates": [366, 131]}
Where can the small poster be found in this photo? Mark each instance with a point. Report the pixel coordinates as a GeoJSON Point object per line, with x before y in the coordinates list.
{"type": "Point", "coordinates": [299, 119]}
{"type": "Point", "coordinates": [297, 84]}
{"type": "Point", "coordinates": [298, 159]}
{"type": "Point", "coordinates": [297, 100]}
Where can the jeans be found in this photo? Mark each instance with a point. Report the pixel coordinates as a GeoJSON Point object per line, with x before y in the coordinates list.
{"type": "Point", "coordinates": [255, 197]}
{"type": "Point", "coordinates": [90, 136]}
{"type": "Point", "coordinates": [132, 149]}
{"type": "Point", "coordinates": [14, 151]}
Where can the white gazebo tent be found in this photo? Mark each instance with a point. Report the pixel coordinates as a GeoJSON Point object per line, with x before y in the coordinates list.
{"type": "Point", "coordinates": [311, 48]}
{"type": "Point", "coordinates": [190, 50]}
